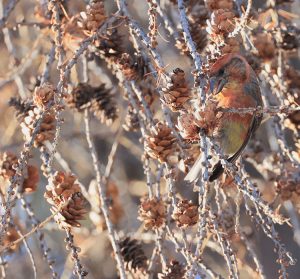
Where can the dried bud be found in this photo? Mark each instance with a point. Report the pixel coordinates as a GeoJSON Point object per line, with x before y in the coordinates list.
{"type": "Point", "coordinates": [64, 192]}
{"type": "Point", "coordinates": [133, 256]}
{"type": "Point", "coordinates": [185, 214]}
{"type": "Point", "coordinates": [177, 92]}
{"type": "Point", "coordinates": [160, 144]}
{"type": "Point", "coordinates": [43, 95]}
{"type": "Point", "coordinates": [152, 212]}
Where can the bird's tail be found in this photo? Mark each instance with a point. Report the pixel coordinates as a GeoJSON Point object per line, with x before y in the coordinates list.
{"type": "Point", "coordinates": [217, 172]}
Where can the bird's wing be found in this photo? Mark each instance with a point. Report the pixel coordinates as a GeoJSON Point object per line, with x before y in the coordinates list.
{"type": "Point", "coordinates": [253, 126]}
{"type": "Point", "coordinates": [218, 168]}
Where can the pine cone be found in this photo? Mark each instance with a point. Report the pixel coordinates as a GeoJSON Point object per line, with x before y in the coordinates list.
{"type": "Point", "coordinates": [94, 16]}
{"type": "Point", "coordinates": [133, 256]}
{"type": "Point", "coordinates": [219, 4]}
{"type": "Point", "coordinates": [132, 68]}
{"type": "Point", "coordinates": [43, 95]}
{"type": "Point", "coordinates": [131, 122]}
{"type": "Point", "coordinates": [7, 171]}
{"type": "Point", "coordinates": [177, 92]}
{"type": "Point", "coordinates": [221, 23]}
{"type": "Point", "coordinates": [161, 144]}
{"type": "Point", "coordinates": [22, 107]}
{"type": "Point", "coordinates": [185, 214]}
{"type": "Point", "coordinates": [103, 105]}
{"type": "Point", "coordinates": [152, 212]}
{"type": "Point", "coordinates": [174, 270]}
{"type": "Point", "coordinates": [47, 128]}
{"type": "Point", "coordinates": [62, 189]}
{"type": "Point", "coordinates": [110, 45]}
{"type": "Point", "coordinates": [81, 97]}
{"type": "Point", "coordinates": [265, 46]}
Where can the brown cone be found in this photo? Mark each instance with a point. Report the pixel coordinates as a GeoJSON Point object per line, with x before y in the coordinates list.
{"type": "Point", "coordinates": [177, 92]}
{"type": "Point", "coordinates": [161, 143]}
{"type": "Point", "coordinates": [62, 189]}
{"type": "Point", "coordinates": [133, 256]}
{"type": "Point", "coordinates": [152, 212]}
{"type": "Point", "coordinates": [185, 214]}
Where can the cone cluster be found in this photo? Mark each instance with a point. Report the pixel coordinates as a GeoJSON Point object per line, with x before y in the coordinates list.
{"type": "Point", "coordinates": [63, 191]}
{"type": "Point", "coordinates": [152, 212]}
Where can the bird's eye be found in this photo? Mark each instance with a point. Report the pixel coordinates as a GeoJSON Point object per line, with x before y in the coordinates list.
{"type": "Point", "coordinates": [221, 72]}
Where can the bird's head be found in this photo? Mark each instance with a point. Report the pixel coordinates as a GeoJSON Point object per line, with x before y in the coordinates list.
{"type": "Point", "coordinates": [229, 71]}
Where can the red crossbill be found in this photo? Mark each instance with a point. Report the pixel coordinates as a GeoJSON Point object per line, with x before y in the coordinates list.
{"type": "Point", "coordinates": [233, 84]}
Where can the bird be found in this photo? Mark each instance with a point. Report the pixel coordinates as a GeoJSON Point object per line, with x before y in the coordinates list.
{"type": "Point", "coordinates": [233, 84]}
